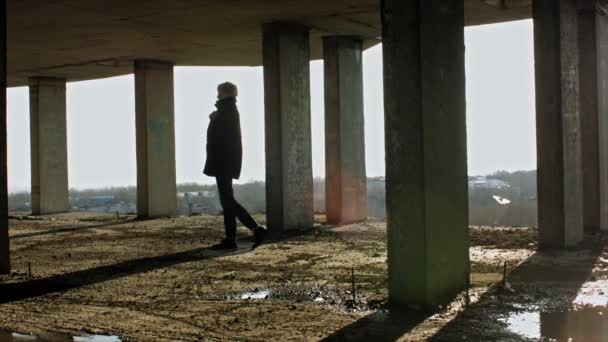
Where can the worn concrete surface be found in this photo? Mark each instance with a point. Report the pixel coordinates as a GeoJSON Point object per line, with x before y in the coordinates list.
{"type": "Point", "coordinates": [345, 176]}
{"type": "Point", "coordinates": [426, 151]}
{"type": "Point", "coordinates": [49, 146]}
{"type": "Point", "coordinates": [156, 280]}
{"type": "Point", "coordinates": [91, 39]}
{"type": "Point", "coordinates": [155, 139]}
{"type": "Point", "coordinates": [558, 124]}
{"type": "Point", "coordinates": [289, 183]}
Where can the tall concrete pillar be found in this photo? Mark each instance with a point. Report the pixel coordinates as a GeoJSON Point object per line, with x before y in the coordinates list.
{"type": "Point", "coordinates": [345, 177]}
{"type": "Point", "coordinates": [593, 54]}
{"type": "Point", "coordinates": [49, 150]}
{"type": "Point", "coordinates": [155, 130]}
{"type": "Point", "coordinates": [560, 185]}
{"type": "Point", "coordinates": [602, 109]}
{"type": "Point", "coordinates": [5, 261]}
{"type": "Point", "coordinates": [289, 185]}
{"type": "Point", "coordinates": [426, 150]}
{"type": "Point", "coordinates": [589, 116]}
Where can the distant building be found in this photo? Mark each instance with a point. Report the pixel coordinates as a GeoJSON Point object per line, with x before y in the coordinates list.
{"type": "Point", "coordinates": [92, 202]}
{"type": "Point", "coordinates": [197, 202]}
{"type": "Point", "coordinates": [194, 194]}
{"type": "Point", "coordinates": [122, 208]}
{"type": "Point", "coordinates": [376, 197]}
{"type": "Point", "coordinates": [482, 182]}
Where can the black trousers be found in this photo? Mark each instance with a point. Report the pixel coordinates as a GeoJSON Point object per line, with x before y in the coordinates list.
{"type": "Point", "coordinates": [232, 208]}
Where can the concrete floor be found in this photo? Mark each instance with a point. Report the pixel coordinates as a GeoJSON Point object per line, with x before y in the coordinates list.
{"type": "Point", "coordinates": [156, 280]}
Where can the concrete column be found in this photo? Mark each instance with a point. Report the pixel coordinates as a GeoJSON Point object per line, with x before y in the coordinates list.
{"type": "Point", "coordinates": [601, 25]}
{"type": "Point", "coordinates": [560, 184]}
{"type": "Point", "coordinates": [426, 150]}
{"type": "Point", "coordinates": [49, 150]}
{"type": "Point", "coordinates": [289, 185]}
{"type": "Point", "coordinates": [593, 54]}
{"type": "Point", "coordinates": [5, 261]}
{"type": "Point", "coordinates": [589, 116]}
{"type": "Point", "coordinates": [345, 177]}
{"type": "Point", "coordinates": [154, 122]}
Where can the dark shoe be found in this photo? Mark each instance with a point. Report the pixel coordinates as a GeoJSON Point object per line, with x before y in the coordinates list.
{"type": "Point", "coordinates": [225, 244]}
{"type": "Point", "coordinates": [259, 235]}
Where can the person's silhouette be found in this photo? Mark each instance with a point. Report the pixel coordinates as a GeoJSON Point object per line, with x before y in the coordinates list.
{"type": "Point", "coordinates": [224, 161]}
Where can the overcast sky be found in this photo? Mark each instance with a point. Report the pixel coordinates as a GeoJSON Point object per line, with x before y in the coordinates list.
{"type": "Point", "coordinates": [101, 119]}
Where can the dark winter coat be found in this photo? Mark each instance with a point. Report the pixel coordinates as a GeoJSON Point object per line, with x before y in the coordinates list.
{"type": "Point", "coordinates": [224, 147]}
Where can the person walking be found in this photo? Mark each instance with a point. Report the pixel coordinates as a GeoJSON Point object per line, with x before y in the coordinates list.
{"type": "Point", "coordinates": [224, 162]}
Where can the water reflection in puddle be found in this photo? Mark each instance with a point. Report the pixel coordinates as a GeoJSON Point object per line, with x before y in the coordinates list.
{"type": "Point", "coordinates": [96, 338]}
{"type": "Point", "coordinates": [593, 293]}
{"type": "Point", "coordinates": [525, 324]}
{"type": "Point", "coordinates": [14, 337]}
{"type": "Point", "coordinates": [263, 294]}
{"type": "Point", "coordinates": [584, 324]}
{"type": "Point", "coordinates": [17, 337]}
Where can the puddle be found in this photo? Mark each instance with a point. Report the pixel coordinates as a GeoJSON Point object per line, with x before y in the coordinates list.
{"type": "Point", "coordinates": [15, 337]}
{"type": "Point", "coordinates": [315, 294]}
{"type": "Point", "coordinates": [583, 324]}
{"type": "Point", "coordinates": [340, 299]}
{"type": "Point", "coordinates": [593, 293]}
{"type": "Point", "coordinates": [97, 338]}
{"type": "Point", "coordinates": [525, 324]}
{"type": "Point", "coordinates": [256, 294]}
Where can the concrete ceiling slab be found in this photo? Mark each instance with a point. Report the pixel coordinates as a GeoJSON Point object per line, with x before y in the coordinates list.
{"type": "Point", "coordinates": [87, 39]}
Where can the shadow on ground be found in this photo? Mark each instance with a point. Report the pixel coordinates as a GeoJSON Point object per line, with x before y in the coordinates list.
{"type": "Point", "coordinates": [548, 280]}
{"type": "Point", "coordinates": [527, 285]}
{"type": "Point", "coordinates": [385, 325]}
{"type": "Point", "coordinates": [71, 229]}
{"type": "Point", "coordinates": [10, 292]}
{"type": "Point", "coordinates": [59, 283]}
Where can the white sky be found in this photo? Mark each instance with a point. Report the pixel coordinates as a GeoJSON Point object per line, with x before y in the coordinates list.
{"type": "Point", "coordinates": [101, 116]}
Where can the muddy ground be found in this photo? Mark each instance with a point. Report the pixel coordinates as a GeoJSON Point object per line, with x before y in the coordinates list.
{"type": "Point", "coordinates": [157, 280]}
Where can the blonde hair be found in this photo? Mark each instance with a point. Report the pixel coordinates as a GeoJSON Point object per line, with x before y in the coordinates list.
{"type": "Point", "coordinates": [228, 89]}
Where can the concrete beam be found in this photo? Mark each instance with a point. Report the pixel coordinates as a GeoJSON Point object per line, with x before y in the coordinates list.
{"type": "Point", "coordinates": [5, 260]}
{"type": "Point", "coordinates": [558, 124]}
{"type": "Point", "coordinates": [508, 4]}
{"type": "Point", "coordinates": [289, 185]}
{"type": "Point", "coordinates": [600, 6]}
{"type": "Point", "coordinates": [426, 150]}
{"type": "Point", "coordinates": [345, 177]}
{"type": "Point", "coordinates": [155, 129]}
{"type": "Point", "coordinates": [331, 24]}
{"type": "Point", "coordinates": [49, 149]}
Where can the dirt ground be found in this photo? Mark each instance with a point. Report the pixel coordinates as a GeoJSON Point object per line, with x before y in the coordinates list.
{"type": "Point", "coordinates": [157, 280]}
